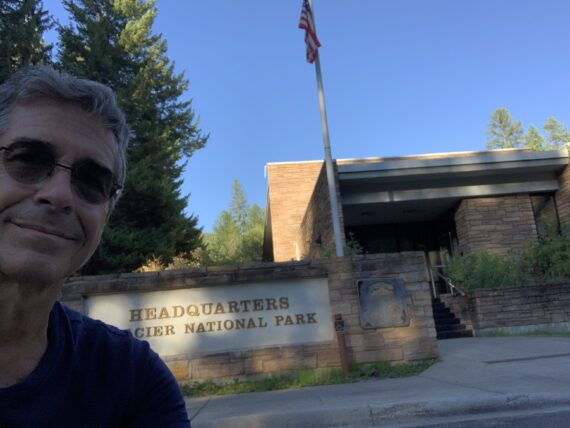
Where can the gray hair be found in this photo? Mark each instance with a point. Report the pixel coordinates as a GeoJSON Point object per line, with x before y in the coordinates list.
{"type": "Point", "coordinates": [41, 82]}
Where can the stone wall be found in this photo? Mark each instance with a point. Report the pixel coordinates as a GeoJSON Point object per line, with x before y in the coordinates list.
{"type": "Point", "coordinates": [317, 233]}
{"type": "Point", "coordinates": [290, 186]}
{"type": "Point", "coordinates": [563, 195]}
{"type": "Point", "coordinates": [499, 224]}
{"type": "Point", "coordinates": [514, 309]}
{"type": "Point", "coordinates": [416, 341]}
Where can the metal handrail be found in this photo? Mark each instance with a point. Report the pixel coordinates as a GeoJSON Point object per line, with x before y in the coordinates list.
{"type": "Point", "coordinates": [453, 288]}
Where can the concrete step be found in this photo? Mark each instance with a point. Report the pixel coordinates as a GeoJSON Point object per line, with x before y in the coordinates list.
{"type": "Point", "coordinates": [446, 321]}
{"type": "Point", "coordinates": [450, 327]}
{"type": "Point", "coordinates": [454, 334]}
{"type": "Point", "coordinates": [447, 325]}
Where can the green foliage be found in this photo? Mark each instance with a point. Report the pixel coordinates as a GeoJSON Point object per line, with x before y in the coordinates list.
{"type": "Point", "coordinates": [556, 134]}
{"type": "Point", "coordinates": [503, 132]}
{"type": "Point", "coordinates": [305, 378]}
{"type": "Point", "coordinates": [112, 42]}
{"type": "Point", "coordinates": [238, 232]}
{"type": "Point", "coordinates": [546, 260]}
{"type": "Point", "coordinates": [482, 269]}
{"type": "Point", "coordinates": [223, 245]}
{"type": "Point", "coordinates": [387, 370]}
{"type": "Point", "coordinates": [237, 238]}
{"type": "Point", "coordinates": [533, 140]}
{"type": "Point", "coordinates": [351, 248]}
{"type": "Point", "coordinates": [22, 25]}
{"type": "Point", "coordinates": [238, 207]}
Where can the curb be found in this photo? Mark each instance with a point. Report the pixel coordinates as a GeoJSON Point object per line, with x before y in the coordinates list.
{"type": "Point", "coordinates": [400, 413]}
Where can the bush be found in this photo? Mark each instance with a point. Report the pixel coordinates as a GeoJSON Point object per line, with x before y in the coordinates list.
{"type": "Point", "coordinates": [482, 270]}
{"type": "Point", "coordinates": [548, 259]}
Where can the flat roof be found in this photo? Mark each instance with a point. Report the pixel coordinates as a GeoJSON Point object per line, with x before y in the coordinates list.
{"type": "Point", "coordinates": [486, 159]}
{"type": "Point", "coordinates": [480, 154]}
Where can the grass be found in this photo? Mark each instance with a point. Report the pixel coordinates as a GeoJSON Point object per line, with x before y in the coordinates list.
{"type": "Point", "coordinates": [305, 378]}
{"type": "Point", "coordinates": [537, 333]}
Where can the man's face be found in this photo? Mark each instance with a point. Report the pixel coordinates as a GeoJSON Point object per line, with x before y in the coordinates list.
{"type": "Point", "coordinates": [46, 230]}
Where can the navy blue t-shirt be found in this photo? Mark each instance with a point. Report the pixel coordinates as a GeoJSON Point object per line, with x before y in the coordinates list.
{"type": "Point", "coordinates": [93, 375]}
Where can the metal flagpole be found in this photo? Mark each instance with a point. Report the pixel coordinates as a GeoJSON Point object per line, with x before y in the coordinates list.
{"type": "Point", "coordinates": [328, 157]}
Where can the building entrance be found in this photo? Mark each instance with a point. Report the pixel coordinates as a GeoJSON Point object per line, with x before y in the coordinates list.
{"type": "Point", "coordinates": [436, 238]}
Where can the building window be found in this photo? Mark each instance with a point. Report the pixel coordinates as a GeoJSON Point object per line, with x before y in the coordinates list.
{"type": "Point", "coordinates": [545, 213]}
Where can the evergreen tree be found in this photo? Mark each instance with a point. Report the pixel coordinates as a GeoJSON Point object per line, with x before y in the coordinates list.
{"type": "Point", "coordinates": [557, 135]}
{"type": "Point", "coordinates": [503, 132]}
{"type": "Point", "coordinates": [238, 207]}
{"type": "Point", "coordinates": [22, 25]}
{"type": "Point", "coordinates": [111, 41]}
{"type": "Point", "coordinates": [238, 232]}
{"type": "Point", "coordinates": [533, 140]}
{"type": "Point", "coordinates": [252, 244]}
{"type": "Point", "coordinates": [224, 244]}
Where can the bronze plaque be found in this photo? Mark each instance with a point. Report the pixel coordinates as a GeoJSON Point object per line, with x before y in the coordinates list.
{"type": "Point", "coordinates": [382, 303]}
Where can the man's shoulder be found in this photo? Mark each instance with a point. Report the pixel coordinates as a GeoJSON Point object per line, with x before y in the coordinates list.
{"type": "Point", "coordinates": [91, 335]}
{"type": "Point", "coordinates": [115, 357]}
{"type": "Point", "coordinates": [83, 324]}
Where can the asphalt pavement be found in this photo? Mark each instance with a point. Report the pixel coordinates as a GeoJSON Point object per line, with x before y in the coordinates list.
{"type": "Point", "coordinates": [479, 382]}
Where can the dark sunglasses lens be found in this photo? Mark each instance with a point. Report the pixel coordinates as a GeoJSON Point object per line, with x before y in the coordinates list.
{"type": "Point", "coordinates": [28, 163]}
{"type": "Point", "coordinates": [92, 182]}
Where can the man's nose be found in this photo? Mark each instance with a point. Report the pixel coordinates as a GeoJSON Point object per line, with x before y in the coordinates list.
{"type": "Point", "coordinates": [56, 191]}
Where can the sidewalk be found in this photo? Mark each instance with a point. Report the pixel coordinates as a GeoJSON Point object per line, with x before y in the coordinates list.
{"type": "Point", "coordinates": [478, 382]}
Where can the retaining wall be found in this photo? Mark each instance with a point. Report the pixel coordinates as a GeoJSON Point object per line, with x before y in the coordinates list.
{"type": "Point", "coordinates": [517, 309]}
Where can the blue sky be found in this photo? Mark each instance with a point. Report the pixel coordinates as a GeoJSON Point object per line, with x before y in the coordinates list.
{"type": "Point", "coordinates": [401, 77]}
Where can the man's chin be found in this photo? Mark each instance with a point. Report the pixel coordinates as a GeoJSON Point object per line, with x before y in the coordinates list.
{"type": "Point", "coordinates": [36, 273]}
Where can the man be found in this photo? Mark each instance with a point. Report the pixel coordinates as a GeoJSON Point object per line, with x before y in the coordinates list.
{"type": "Point", "coordinates": [62, 166]}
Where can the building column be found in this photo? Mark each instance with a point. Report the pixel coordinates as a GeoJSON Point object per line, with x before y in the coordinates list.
{"type": "Point", "coordinates": [563, 195]}
{"type": "Point", "coordinates": [499, 224]}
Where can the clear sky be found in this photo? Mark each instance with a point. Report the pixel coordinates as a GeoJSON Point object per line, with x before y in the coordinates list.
{"type": "Point", "coordinates": [401, 77]}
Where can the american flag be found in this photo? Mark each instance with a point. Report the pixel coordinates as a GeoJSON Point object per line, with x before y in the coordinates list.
{"type": "Point", "coordinates": [308, 25]}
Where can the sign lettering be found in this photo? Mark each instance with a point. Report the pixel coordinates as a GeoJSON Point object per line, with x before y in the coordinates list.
{"type": "Point", "coordinates": [221, 318]}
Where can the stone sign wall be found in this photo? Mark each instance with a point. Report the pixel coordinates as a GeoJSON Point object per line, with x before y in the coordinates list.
{"type": "Point", "coordinates": [203, 321]}
{"type": "Point", "coordinates": [222, 323]}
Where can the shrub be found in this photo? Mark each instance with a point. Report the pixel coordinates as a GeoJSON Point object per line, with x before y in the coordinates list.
{"type": "Point", "coordinates": [547, 259]}
{"type": "Point", "coordinates": [482, 270]}
{"type": "Point", "coordinates": [326, 251]}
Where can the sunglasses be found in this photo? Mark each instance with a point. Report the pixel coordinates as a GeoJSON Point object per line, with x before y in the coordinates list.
{"type": "Point", "coordinates": [31, 162]}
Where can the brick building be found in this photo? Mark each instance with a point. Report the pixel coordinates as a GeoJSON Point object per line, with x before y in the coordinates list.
{"type": "Point", "coordinates": [441, 204]}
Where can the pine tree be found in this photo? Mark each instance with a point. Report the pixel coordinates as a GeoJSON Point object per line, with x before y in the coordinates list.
{"type": "Point", "coordinates": [503, 132]}
{"type": "Point", "coordinates": [224, 244]}
{"type": "Point", "coordinates": [238, 207]}
{"type": "Point", "coordinates": [252, 244]}
{"type": "Point", "coordinates": [238, 232]}
{"type": "Point", "coordinates": [22, 25]}
{"type": "Point", "coordinates": [112, 42]}
{"type": "Point", "coordinates": [533, 140]}
{"type": "Point", "coordinates": [557, 135]}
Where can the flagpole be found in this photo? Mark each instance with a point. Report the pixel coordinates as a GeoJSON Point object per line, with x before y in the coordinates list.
{"type": "Point", "coordinates": [328, 158]}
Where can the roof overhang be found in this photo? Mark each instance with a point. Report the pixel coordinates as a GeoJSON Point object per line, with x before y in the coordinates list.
{"type": "Point", "coordinates": [389, 188]}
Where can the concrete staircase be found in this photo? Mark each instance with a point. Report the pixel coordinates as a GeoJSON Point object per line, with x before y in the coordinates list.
{"type": "Point", "coordinates": [447, 325]}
